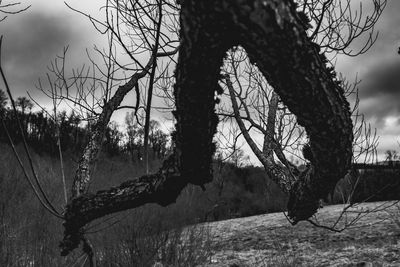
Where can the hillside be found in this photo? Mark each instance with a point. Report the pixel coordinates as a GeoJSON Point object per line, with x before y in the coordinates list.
{"type": "Point", "coordinates": [270, 240]}
{"type": "Point", "coordinates": [143, 236]}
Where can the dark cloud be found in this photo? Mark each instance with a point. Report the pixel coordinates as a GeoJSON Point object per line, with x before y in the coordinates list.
{"type": "Point", "coordinates": [36, 37]}
{"type": "Point", "coordinates": [383, 80]}
{"type": "Point", "coordinates": [383, 50]}
{"type": "Point", "coordinates": [380, 90]}
{"type": "Point", "coordinates": [32, 41]}
{"type": "Point", "coordinates": [379, 70]}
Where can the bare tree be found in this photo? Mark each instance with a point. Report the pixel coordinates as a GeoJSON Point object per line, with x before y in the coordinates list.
{"type": "Point", "coordinates": [391, 155]}
{"type": "Point", "coordinates": [3, 99]}
{"type": "Point", "coordinates": [277, 44]}
{"type": "Point", "coordinates": [10, 8]}
{"type": "Point", "coordinates": [261, 115]}
{"type": "Point", "coordinates": [207, 32]}
{"type": "Point", "coordinates": [24, 104]}
{"type": "Point", "coordinates": [259, 106]}
{"type": "Point", "coordinates": [146, 32]}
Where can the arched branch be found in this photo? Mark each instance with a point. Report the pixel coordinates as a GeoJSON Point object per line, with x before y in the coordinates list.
{"type": "Point", "coordinates": [274, 37]}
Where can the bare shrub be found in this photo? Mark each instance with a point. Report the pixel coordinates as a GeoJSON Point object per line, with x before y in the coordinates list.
{"type": "Point", "coordinates": [29, 236]}
{"type": "Point", "coordinates": [149, 239]}
{"type": "Point", "coordinates": [394, 215]}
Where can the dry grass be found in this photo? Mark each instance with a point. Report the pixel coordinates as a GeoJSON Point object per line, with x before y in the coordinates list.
{"type": "Point", "coordinates": [29, 236]}
{"type": "Point", "coordinates": [152, 235]}
{"type": "Point", "coordinates": [150, 240]}
{"type": "Point", "coordinates": [394, 216]}
{"type": "Point", "coordinates": [269, 240]}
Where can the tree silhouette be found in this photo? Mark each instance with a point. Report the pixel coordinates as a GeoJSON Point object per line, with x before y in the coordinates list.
{"type": "Point", "coordinates": [273, 34]}
{"type": "Point", "coordinates": [3, 99]}
{"type": "Point", "coordinates": [11, 8]}
{"type": "Point", "coordinates": [257, 108]}
{"type": "Point", "coordinates": [391, 155]}
{"type": "Point", "coordinates": [24, 104]}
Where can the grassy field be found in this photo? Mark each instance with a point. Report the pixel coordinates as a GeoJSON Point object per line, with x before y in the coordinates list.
{"type": "Point", "coordinates": [270, 240]}
{"type": "Point", "coordinates": [29, 236]}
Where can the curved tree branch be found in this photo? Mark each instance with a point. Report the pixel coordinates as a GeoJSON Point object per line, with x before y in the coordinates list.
{"type": "Point", "coordinates": [274, 37]}
{"type": "Point", "coordinates": [274, 171]}
{"type": "Point", "coordinates": [89, 155]}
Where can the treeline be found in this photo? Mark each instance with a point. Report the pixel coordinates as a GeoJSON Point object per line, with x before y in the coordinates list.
{"type": "Point", "coordinates": [378, 185]}
{"type": "Point", "coordinates": [43, 132]}
{"type": "Point", "coordinates": [367, 186]}
{"type": "Point", "coordinates": [234, 192]}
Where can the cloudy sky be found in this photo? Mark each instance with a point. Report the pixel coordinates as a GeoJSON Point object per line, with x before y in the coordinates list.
{"type": "Point", "coordinates": [32, 40]}
{"type": "Point", "coordinates": [379, 71]}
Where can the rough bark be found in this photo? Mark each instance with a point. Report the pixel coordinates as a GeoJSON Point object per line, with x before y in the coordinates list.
{"type": "Point", "coordinates": [269, 144]}
{"type": "Point", "coordinates": [162, 188]}
{"type": "Point", "coordinates": [89, 155]}
{"type": "Point", "coordinates": [275, 171]}
{"type": "Point", "coordinates": [273, 35]}
{"type": "Point", "coordinates": [204, 42]}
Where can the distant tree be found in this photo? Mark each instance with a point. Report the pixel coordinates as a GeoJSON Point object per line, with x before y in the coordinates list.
{"type": "Point", "coordinates": [3, 99]}
{"type": "Point", "coordinates": [239, 158]}
{"type": "Point", "coordinates": [134, 134]}
{"type": "Point", "coordinates": [391, 155]}
{"type": "Point", "coordinates": [158, 140]}
{"type": "Point", "coordinates": [24, 104]}
{"type": "Point", "coordinates": [113, 138]}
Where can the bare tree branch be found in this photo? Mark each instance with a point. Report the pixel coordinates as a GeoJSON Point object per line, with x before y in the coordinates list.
{"type": "Point", "coordinates": [296, 71]}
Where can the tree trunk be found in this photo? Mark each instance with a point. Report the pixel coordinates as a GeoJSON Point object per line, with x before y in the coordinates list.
{"type": "Point", "coordinates": [275, 39]}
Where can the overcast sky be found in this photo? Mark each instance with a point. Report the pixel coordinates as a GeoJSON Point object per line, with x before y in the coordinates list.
{"type": "Point", "coordinates": [35, 37]}
{"type": "Point", "coordinates": [379, 70]}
